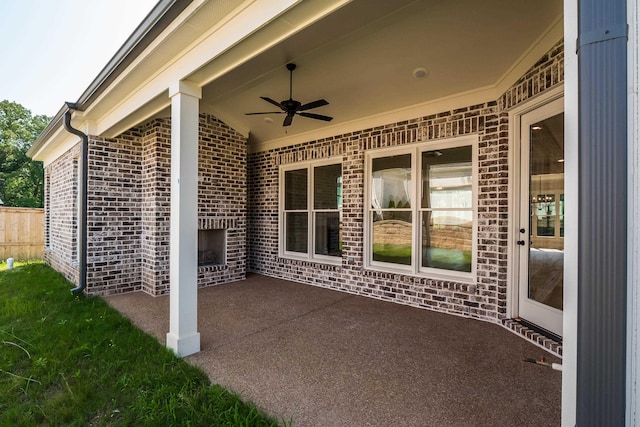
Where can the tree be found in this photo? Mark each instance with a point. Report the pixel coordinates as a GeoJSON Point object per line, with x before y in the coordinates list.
{"type": "Point", "coordinates": [21, 179]}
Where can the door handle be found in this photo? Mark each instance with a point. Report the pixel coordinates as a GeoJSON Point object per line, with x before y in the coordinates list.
{"type": "Point", "coordinates": [521, 242]}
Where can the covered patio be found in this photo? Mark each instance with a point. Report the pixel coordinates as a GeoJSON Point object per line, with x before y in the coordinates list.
{"type": "Point", "coordinates": [320, 357]}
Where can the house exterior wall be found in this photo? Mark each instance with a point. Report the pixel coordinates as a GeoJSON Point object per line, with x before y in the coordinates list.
{"type": "Point", "coordinates": [222, 197]}
{"type": "Point", "coordinates": [486, 298]}
{"type": "Point", "coordinates": [114, 214]}
{"type": "Point", "coordinates": [129, 207]}
{"type": "Point", "coordinates": [156, 206]}
{"type": "Point", "coordinates": [61, 212]}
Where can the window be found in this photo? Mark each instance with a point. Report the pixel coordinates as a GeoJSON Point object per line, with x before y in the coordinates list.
{"type": "Point", "coordinates": [421, 209]}
{"type": "Point", "coordinates": [311, 209]}
{"type": "Point", "coordinates": [447, 209]}
{"type": "Point", "coordinates": [391, 213]}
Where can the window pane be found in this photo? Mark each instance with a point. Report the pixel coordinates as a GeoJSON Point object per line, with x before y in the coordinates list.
{"type": "Point", "coordinates": [545, 212]}
{"type": "Point", "coordinates": [546, 226]}
{"type": "Point", "coordinates": [447, 178]}
{"type": "Point", "coordinates": [392, 237]}
{"type": "Point", "coordinates": [391, 182]}
{"type": "Point", "coordinates": [328, 234]}
{"type": "Point", "coordinates": [545, 204]}
{"type": "Point", "coordinates": [447, 240]}
{"type": "Point", "coordinates": [295, 189]}
{"type": "Point", "coordinates": [296, 227]}
{"type": "Point", "coordinates": [327, 187]}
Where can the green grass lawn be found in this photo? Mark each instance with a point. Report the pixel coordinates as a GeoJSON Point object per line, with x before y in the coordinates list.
{"type": "Point", "coordinates": [72, 360]}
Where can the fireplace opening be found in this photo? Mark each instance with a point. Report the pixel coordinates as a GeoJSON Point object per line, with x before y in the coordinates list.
{"type": "Point", "coordinates": [212, 247]}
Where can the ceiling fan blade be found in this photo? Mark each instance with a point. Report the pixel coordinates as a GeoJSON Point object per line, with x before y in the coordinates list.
{"type": "Point", "coordinates": [264, 112]}
{"type": "Point", "coordinates": [316, 116]}
{"type": "Point", "coordinates": [314, 104]}
{"type": "Point", "coordinates": [288, 120]}
{"type": "Point", "coordinates": [271, 101]}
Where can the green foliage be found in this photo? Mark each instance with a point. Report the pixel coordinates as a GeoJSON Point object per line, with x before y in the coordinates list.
{"type": "Point", "coordinates": [21, 179]}
{"type": "Point", "coordinates": [71, 360]}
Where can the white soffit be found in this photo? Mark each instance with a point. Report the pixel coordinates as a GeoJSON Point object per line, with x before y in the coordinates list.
{"type": "Point", "coordinates": [361, 58]}
{"type": "Point", "coordinates": [359, 55]}
{"type": "Point", "coordinates": [142, 101]}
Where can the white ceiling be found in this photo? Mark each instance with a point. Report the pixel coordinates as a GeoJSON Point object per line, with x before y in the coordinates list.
{"type": "Point", "coordinates": [361, 60]}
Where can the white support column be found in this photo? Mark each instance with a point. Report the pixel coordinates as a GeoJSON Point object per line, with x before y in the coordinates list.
{"type": "Point", "coordinates": [183, 337]}
{"type": "Point", "coordinates": [570, 313]}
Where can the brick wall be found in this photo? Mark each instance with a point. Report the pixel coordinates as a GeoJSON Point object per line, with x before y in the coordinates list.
{"type": "Point", "coordinates": [129, 207]}
{"type": "Point", "coordinates": [129, 204]}
{"type": "Point", "coordinates": [61, 205]}
{"type": "Point", "coordinates": [222, 196]}
{"type": "Point", "coordinates": [156, 205]}
{"type": "Point", "coordinates": [486, 298]}
{"type": "Point", "coordinates": [114, 214]}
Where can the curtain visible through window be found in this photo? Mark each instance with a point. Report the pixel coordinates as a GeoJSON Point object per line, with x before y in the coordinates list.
{"type": "Point", "coordinates": [436, 230]}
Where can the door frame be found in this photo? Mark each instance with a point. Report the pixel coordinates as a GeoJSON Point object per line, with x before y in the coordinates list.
{"type": "Point", "coordinates": [515, 185]}
{"type": "Point", "coordinates": [545, 316]}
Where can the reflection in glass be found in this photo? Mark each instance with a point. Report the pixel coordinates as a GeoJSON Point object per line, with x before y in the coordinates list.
{"type": "Point", "coordinates": [545, 212]}
{"type": "Point", "coordinates": [392, 237]}
{"type": "Point", "coordinates": [327, 202]}
{"type": "Point", "coordinates": [447, 240]}
{"type": "Point", "coordinates": [391, 182]}
{"type": "Point", "coordinates": [562, 215]}
{"type": "Point", "coordinates": [447, 214]}
{"type": "Point", "coordinates": [295, 189]}
{"type": "Point", "coordinates": [296, 226]}
{"type": "Point", "coordinates": [546, 186]}
{"type": "Point", "coordinates": [327, 187]}
{"type": "Point", "coordinates": [328, 241]}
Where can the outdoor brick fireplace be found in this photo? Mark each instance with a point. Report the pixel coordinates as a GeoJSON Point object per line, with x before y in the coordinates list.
{"type": "Point", "coordinates": [212, 247]}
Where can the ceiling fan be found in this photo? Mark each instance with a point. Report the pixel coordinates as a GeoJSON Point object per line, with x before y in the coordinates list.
{"type": "Point", "coordinates": [291, 107]}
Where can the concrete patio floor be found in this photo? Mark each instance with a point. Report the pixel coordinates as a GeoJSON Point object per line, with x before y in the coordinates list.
{"type": "Point", "coordinates": [325, 358]}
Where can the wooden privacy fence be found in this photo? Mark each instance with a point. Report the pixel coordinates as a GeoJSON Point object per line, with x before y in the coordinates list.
{"type": "Point", "coordinates": [21, 233]}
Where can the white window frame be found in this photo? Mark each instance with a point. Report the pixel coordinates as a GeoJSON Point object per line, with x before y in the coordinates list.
{"type": "Point", "coordinates": [311, 236]}
{"type": "Point", "coordinates": [415, 269]}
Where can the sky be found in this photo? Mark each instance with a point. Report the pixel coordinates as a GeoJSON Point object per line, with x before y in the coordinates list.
{"type": "Point", "coordinates": [51, 50]}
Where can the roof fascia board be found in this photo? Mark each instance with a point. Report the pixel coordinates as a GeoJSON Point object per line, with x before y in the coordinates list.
{"type": "Point", "coordinates": [154, 23]}
{"type": "Point", "coordinates": [191, 63]}
{"type": "Point", "coordinates": [154, 45]}
{"type": "Point", "coordinates": [245, 19]}
{"type": "Point", "coordinates": [291, 22]}
{"type": "Point", "coordinates": [163, 14]}
{"type": "Point", "coordinates": [64, 141]}
{"type": "Point", "coordinates": [214, 43]}
{"type": "Point", "coordinates": [47, 134]}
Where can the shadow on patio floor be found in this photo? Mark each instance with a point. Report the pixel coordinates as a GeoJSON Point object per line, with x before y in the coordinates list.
{"type": "Point", "coordinates": [327, 358]}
